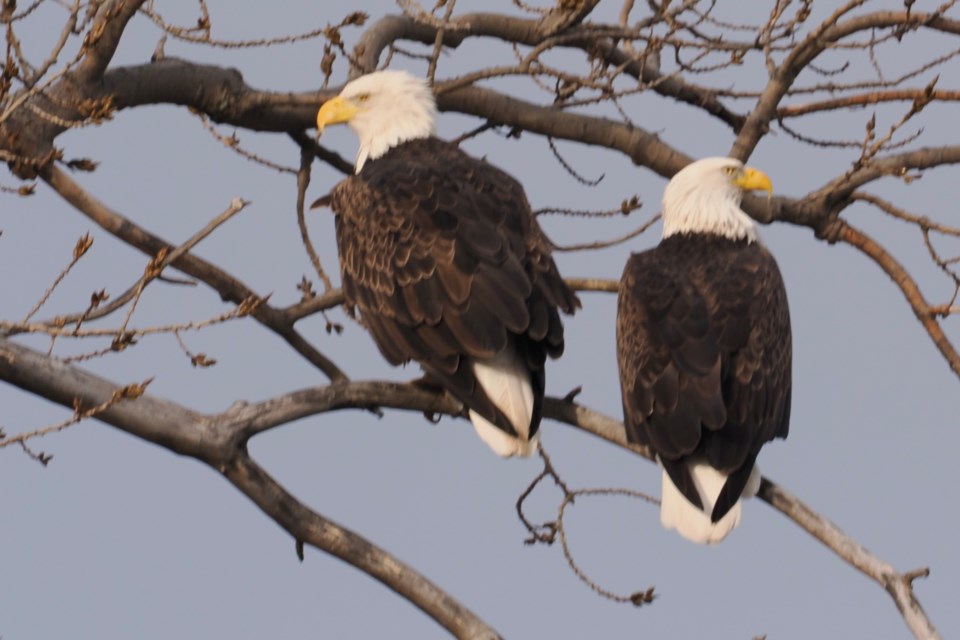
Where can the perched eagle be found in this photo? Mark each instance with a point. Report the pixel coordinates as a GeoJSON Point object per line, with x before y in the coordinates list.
{"type": "Point", "coordinates": [704, 348]}
{"type": "Point", "coordinates": [445, 261]}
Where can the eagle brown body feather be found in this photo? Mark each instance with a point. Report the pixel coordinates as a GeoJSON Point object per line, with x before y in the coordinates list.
{"type": "Point", "coordinates": [704, 351]}
{"type": "Point", "coordinates": [444, 260]}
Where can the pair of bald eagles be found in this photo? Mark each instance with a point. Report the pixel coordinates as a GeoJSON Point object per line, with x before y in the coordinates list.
{"type": "Point", "coordinates": [444, 260]}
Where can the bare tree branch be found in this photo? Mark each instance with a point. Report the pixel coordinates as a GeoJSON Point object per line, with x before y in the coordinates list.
{"type": "Point", "coordinates": [863, 100]}
{"type": "Point", "coordinates": [532, 33]}
{"type": "Point", "coordinates": [104, 36]}
{"type": "Point", "coordinates": [310, 527]}
{"type": "Point", "coordinates": [898, 585]}
{"type": "Point", "coordinates": [921, 308]}
{"type": "Point", "coordinates": [224, 448]}
{"type": "Point", "coordinates": [673, 51]}
{"type": "Point", "coordinates": [229, 288]}
{"type": "Point", "coordinates": [829, 32]}
{"type": "Point", "coordinates": [220, 442]}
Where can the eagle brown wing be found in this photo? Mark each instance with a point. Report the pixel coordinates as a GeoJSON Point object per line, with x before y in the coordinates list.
{"type": "Point", "coordinates": [442, 256]}
{"type": "Point", "coordinates": [704, 351]}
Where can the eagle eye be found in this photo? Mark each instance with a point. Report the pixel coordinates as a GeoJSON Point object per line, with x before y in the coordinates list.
{"type": "Point", "coordinates": [363, 97]}
{"type": "Point", "coordinates": [730, 170]}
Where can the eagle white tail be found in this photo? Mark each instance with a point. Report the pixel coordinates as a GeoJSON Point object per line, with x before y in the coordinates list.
{"type": "Point", "coordinates": [676, 512]}
{"type": "Point", "coordinates": [506, 381]}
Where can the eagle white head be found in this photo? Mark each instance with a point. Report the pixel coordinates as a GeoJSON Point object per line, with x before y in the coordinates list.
{"type": "Point", "coordinates": [384, 108]}
{"type": "Point", "coordinates": [705, 196]}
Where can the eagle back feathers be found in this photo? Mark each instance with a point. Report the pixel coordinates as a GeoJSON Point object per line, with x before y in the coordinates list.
{"type": "Point", "coordinates": [446, 264]}
{"type": "Point", "coordinates": [704, 352]}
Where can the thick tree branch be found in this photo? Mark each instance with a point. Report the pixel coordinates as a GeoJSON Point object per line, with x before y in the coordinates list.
{"type": "Point", "coordinates": [158, 421]}
{"type": "Point", "coordinates": [895, 165]}
{"type": "Point", "coordinates": [220, 441]}
{"type": "Point", "coordinates": [307, 526]}
{"type": "Point", "coordinates": [641, 146]}
{"type": "Point", "coordinates": [231, 101]}
{"type": "Point", "coordinates": [819, 209]}
{"type": "Point", "coordinates": [249, 420]}
{"type": "Point", "coordinates": [219, 92]}
{"type": "Point", "coordinates": [228, 99]}
{"type": "Point", "coordinates": [91, 90]}
{"type": "Point", "coordinates": [104, 36]}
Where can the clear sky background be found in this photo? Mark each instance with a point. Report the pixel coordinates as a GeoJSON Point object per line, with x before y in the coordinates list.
{"type": "Point", "coordinates": [121, 539]}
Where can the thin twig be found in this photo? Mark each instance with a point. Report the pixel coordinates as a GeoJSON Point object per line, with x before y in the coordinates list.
{"type": "Point", "coordinates": [553, 530]}
{"type": "Point", "coordinates": [604, 244]}
{"type": "Point", "coordinates": [79, 250]}
{"type": "Point", "coordinates": [164, 258]}
{"type": "Point", "coordinates": [232, 142]}
{"type": "Point", "coordinates": [96, 311]}
{"type": "Point", "coordinates": [80, 412]}
{"type": "Point", "coordinates": [303, 182]}
{"type": "Point", "coordinates": [438, 41]}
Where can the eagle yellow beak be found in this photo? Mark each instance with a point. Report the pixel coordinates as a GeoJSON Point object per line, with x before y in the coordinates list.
{"type": "Point", "coordinates": [751, 179]}
{"type": "Point", "coordinates": [335, 111]}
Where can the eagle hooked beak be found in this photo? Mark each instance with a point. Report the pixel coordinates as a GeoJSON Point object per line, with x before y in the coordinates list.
{"type": "Point", "coordinates": [751, 179]}
{"type": "Point", "coordinates": [335, 111]}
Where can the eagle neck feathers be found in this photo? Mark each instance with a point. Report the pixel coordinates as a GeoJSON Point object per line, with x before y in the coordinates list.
{"type": "Point", "coordinates": [691, 207]}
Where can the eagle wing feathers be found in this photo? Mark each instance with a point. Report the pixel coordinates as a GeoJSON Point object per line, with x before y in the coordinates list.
{"type": "Point", "coordinates": [446, 263]}
{"type": "Point", "coordinates": [704, 352]}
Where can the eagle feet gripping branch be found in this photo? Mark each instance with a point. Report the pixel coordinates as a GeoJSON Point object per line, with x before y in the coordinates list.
{"type": "Point", "coordinates": [444, 260]}
{"type": "Point", "coordinates": [704, 349]}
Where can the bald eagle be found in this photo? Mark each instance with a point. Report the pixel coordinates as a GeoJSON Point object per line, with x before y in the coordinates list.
{"type": "Point", "coordinates": [704, 348]}
{"type": "Point", "coordinates": [443, 258]}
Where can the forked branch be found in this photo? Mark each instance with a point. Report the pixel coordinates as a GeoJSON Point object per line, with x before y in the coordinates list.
{"type": "Point", "coordinates": [220, 441]}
